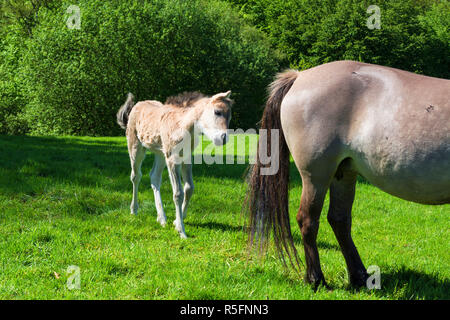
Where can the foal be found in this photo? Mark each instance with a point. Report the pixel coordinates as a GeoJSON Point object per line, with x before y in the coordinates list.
{"type": "Point", "coordinates": [163, 128]}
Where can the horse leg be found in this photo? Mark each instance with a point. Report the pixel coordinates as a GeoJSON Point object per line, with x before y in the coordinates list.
{"type": "Point", "coordinates": [155, 177]}
{"type": "Point", "coordinates": [313, 195]}
{"type": "Point", "coordinates": [175, 180]}
{"type": "Point", "coordinates": [342, 194]}
{"type": "Point", "coordinates": [137, 155]}
{"type": "Point", "coordinates": [186, 172]}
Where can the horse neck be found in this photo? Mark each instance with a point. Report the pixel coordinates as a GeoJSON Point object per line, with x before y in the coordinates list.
{"type": "Point", "coordinates": [193, 114]}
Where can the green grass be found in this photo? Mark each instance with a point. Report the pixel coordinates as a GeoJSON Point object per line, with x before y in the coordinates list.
{"type": "Point", "coordinates": [65, 201]}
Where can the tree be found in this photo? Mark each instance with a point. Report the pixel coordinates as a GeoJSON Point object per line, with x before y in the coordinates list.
{"type": "Point", "coordinates": [413, 34]}
{"type": "Point", "coordinates": [75, 80]}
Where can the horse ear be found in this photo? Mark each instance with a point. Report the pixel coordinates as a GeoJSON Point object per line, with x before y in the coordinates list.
{"type": "Point", "coordinates": [221, 96]}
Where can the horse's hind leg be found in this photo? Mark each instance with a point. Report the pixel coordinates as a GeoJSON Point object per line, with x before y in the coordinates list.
{"type": "Point", "coordinates": [313, 194]}
{"type": "Point", "coordinates": [342, 194]}
{"type": "Point", "coordinates": [155, 177]}
{"type": "Point", "coordinates": [186, 172]}
{"type": "Point", "coordinates": [137, 155]}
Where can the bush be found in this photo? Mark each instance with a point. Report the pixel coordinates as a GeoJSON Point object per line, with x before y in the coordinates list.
{"type": "Point", "coordinates": [435, 37]}
{"type": "Point", "coordinates": [54, 80]}
{"type": "Point", "coordinates": [12, 95]}
{"type": "Point", "coordinates": [413, 36]}
{"type": "Point", "coordinates": [77, 79]}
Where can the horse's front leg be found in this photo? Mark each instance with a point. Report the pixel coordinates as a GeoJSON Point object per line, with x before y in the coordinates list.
{"type": "Point", "coordinates": [313, 195]}
{"type": "Point", "coordinates": [186, 171]}
{"type": "Point", "coordinates": [178, 195]}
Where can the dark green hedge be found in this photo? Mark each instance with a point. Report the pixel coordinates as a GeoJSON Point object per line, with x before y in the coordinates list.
{"type": "Point", "coordinates": [54, 80]}
{"type": "Point", "coordinates": [73, 81]}
{"type": "Point", "coordinates": [414, 34]}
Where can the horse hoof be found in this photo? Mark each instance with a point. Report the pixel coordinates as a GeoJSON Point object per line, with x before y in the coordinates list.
{"type": "Point", "coordinates": [359, 280]}
{"type": "Point", "coordinates": [317, 282]}
{"type": "Point", "coordinates": [162, 222]}
{"type": "Point", "coordinates": [183, 235]}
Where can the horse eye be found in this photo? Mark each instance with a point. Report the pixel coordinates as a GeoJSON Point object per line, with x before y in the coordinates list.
{"type": "Point", "coordinates": [217, 113]}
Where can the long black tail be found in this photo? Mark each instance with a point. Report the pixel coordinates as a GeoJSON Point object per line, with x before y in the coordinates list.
{"type": "Point", "coordinates": [267, 199]}
{"type": "Point", "coordinates": [124, 111]}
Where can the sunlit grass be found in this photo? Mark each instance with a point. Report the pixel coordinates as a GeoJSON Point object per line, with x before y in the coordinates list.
{"type": "Point", "coordinates": [65, 201]}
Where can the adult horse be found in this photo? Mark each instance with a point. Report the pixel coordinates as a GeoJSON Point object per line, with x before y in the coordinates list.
{"type": "Point", "coordinates": [339, 120]}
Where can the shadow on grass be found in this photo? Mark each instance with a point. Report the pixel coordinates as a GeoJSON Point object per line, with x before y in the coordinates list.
{"type": "Point", "coordinates": [216, 226]}
{"type": "Point", "coordinates": [79, 161]}
{"type": "Point", "coordinates": [403, 283]}
{"type": "Point", "coordinates": [25, 161]}
{"type": "Point", "coordinates": [85, 162]}
{"type": "Point", "coordinates": [406, 284]}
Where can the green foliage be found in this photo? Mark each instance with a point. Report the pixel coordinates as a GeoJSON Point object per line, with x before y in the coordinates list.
{"type": "Point", "coordinates": [12, 95]}
{"type": "Point", "coordinates": [435, 37]}
{"type": "Point", "coordinates": [56, 80]}
{"type": "Point", "coordinates": [22, 12]}
{"type": "Point", "coordinates": [413, 35]}
{"type": "Point", "coordinates": [76, 80]}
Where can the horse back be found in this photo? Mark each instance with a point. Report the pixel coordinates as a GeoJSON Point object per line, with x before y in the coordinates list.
{"type": "Point", "coordinates": [145, 123]}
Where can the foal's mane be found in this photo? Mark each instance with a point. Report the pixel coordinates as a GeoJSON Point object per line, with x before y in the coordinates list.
{"type": "Point", "coordinates": [185, 99]}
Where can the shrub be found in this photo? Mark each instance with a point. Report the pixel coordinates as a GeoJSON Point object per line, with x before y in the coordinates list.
{"type": "Point", "coordinates": [77, 79]}
{"type": "Point", "coordinates": [413, 36]}
{"type": "Point", "coordinates": [12, 95]}
{"type": "Point", "coordinates": [435, 37]}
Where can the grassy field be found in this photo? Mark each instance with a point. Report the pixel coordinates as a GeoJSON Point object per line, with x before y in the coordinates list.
{"type": "Point", "coordinates": [65, 201]}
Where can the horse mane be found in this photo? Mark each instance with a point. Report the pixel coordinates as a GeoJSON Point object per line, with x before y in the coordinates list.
{"type": "Point", "coordinates": [185, 99]}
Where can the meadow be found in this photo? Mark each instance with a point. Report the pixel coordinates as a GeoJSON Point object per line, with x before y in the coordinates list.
{"type": "Point", "coordinates": [65, 201]}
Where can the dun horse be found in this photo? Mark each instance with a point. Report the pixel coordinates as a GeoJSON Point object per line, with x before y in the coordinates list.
{"type": "Point", "coordinates": [339, 120]}
{"type": "Point", "coordinates": [163, 129]}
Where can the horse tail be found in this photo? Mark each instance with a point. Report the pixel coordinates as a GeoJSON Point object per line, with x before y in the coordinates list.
{"type": "Point", "coordinates": [267, 201]}
{"type": "Point", "coordinates": [124, 111]}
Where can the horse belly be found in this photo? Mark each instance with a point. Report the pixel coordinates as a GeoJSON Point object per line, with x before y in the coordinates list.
{"type": "Point", "coordinates": [401, 142]}
{"type": "Point", "coordinates": [412, 170]}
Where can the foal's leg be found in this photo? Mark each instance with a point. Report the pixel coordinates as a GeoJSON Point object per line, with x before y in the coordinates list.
{"type": "Point", "coordinates": [137, 155]}
{"type": "Point", "coordinates": [342, 194]}
{"type": "Point", "coordinates": [155, 177]}
{"type": "Point", "coordinates": [186, 172]}
{"type": "Point", "coordinates": [175, 180]}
